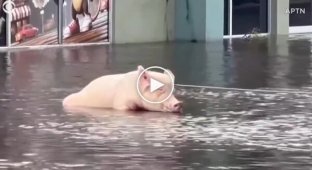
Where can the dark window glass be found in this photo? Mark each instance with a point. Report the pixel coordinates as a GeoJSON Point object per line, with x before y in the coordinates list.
{"type": "Point", "coordinates": [2, 27]}
{"type": "Point", "coordinates": [300, 12]}
{"type": "Point", "coordinates": [226, 17]}
{"type": "Point", "coordinates": [249, 14]}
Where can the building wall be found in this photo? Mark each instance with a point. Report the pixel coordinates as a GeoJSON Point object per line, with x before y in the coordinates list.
{"type": "Point", "coordinates": [200, 20]}
{"type": "Point", "coordinates": [137, 21]}
{"type": "Point", "coordinates": [214, 19]}
{"type": "Point", "coordinates": [190, 19]}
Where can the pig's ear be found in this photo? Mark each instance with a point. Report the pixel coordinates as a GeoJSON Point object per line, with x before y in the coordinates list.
{"type": "Point", "coordinates": [145, 80]}
{"type": "Point", "coordinates": [169, 72]}
{"type": "Point", "coordinates": [140, 68]}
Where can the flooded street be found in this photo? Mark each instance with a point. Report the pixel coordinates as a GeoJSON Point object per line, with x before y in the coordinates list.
{"type": "Point", "coordinates": [254, 113]}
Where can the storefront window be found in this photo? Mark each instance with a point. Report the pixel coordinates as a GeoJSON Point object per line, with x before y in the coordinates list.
{"type": "Point", "coordinates": [35, 22]}
{"type": "Point", "coordinates": [247, 15]}
{"type": "Point", "coordinates": [90, 25]}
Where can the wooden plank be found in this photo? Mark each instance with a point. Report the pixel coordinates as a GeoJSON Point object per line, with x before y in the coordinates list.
{"type": "Point", "coordinates": [83, 37]}
{"type": "Point", "coordinates": [99, 32]}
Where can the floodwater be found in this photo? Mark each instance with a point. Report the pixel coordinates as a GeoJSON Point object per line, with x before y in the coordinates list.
{"type": "Point", "coordinates": [258, 117]}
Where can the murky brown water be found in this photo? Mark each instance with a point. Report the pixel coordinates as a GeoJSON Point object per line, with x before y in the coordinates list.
{"type": "Point", "coordinates": [220, 128]}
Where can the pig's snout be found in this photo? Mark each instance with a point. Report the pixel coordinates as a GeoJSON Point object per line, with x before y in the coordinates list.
{"type": "Point", "coordinates": [177, 106]}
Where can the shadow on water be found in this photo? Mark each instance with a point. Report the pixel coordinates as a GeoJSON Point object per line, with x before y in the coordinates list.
{"type": "Point", "coordinates": [220, 129]}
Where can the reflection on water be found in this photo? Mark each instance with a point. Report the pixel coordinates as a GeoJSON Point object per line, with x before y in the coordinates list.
{"type": "Point", "coordinates": [220, 129]}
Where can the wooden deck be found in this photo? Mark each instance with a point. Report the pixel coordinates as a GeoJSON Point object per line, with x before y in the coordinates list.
{"type": "Point", "coordinates": [98, 33]}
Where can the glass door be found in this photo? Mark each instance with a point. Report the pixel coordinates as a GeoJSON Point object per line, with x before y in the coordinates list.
{"type": "Point", "coordinates": [245, 17]}
{"type": "Point", "coordinates": [300, 16]}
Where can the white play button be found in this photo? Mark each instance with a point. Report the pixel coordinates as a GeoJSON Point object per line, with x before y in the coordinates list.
{"type": "Point", "coordinates": [155, 85]}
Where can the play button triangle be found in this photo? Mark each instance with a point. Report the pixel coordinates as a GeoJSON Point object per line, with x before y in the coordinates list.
{"type": "Point", "coordinates": [155, 85]}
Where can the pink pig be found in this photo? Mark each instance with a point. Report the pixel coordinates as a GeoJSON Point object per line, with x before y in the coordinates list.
{"type": "Point", "coordinates": [119, 91]}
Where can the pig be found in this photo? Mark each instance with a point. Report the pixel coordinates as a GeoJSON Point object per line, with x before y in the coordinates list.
{"type": "Point", "coordinates": [119, 91]}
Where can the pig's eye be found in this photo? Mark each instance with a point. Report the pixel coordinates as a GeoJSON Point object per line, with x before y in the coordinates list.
{"type": "Point", "coordinates": [161, 89]}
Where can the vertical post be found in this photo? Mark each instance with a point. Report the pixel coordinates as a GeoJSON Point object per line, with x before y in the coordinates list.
{"type": "Point", "coordinates": [230, 17]}
{"type": "Point", "coordinates": [8, 24]}
{"type": "Point", "coordinates": [42, 20]}
{"type": "Point", "coordinates": [60, 21]}
{"type": "Point", "coordinates": [279, 22]}
{"type": "Point", "coordinates": [111, 21]}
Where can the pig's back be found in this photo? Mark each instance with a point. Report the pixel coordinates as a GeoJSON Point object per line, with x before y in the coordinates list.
{"type": "Point", "coordinates": [100, 92]}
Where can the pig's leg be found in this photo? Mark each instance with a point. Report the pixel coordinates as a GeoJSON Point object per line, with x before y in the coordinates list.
{"type": "Point", "coordinates": [124, 104]}
{"type": "Point", "coordinates": [121, 106]}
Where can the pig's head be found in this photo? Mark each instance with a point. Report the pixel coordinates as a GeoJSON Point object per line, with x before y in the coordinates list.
{"type": "Point", "coordinates": [172, 104]}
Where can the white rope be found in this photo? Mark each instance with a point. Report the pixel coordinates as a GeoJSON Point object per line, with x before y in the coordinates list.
{"type": "Point", "coordinates": [241, 89]}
